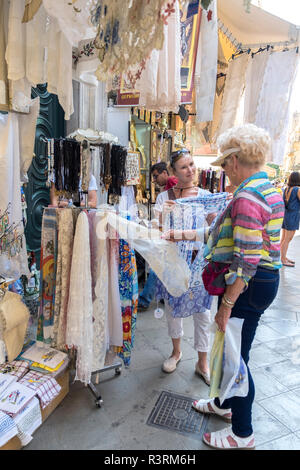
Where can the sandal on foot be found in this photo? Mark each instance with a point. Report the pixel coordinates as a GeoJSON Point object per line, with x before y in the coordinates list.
{"type": "Point", "coordinates": [205, 376]}
{"type": "Point", "coordinates": [209, 407]}
{"type": "Point", "coordinates": [170, 364]}
{"type": "Point", "coordinates": [290, 265]}
{"type": "Point", "coordinates": [226, 439]}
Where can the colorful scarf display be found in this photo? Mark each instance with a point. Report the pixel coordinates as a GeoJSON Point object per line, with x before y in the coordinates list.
{"type": "Point", "coordinates": [128, 287]}
{"type": "Point", "coordinates": [48, 275]}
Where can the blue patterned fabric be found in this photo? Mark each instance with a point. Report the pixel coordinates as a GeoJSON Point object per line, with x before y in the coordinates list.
{"type": "Point", "coordinates": [190, 214]}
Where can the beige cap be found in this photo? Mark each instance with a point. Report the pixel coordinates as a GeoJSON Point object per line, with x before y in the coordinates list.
{"type": "Point", "coordinates": [225, 154]}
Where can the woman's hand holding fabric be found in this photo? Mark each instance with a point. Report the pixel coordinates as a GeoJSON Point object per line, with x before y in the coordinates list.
{"type": "Point", "coordinates": [179, 235]}
{"type": "Point", "coordinates": [168, 206]}
{"type": "Point", "coordinates": [222, 317]}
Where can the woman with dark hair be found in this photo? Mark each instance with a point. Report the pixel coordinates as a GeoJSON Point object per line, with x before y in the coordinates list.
{"type": "Point", "coordinates": [291, 197]}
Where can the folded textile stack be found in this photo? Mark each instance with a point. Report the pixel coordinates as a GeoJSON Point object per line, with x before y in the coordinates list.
{"type": "Point", "coordinates": [8, 428]}
{"type": "Point", "coordinates": [15, 368]}
{"type": "Point", "coordinates": [43, 359]}
{"type": "Point", "coordinates": [45, 387]}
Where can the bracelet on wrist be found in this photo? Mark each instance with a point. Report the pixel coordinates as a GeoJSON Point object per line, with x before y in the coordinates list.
{"type": "Point", "coordinates": [226, 303]}
{"type": "Point", "coordinates": [229, 301]}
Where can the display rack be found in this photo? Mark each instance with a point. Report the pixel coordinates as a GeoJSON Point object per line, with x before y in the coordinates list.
{"type": "Point", "coordinates": [98, 399]}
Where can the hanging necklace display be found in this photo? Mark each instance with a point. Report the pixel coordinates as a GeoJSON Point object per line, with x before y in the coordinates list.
{"type": "Point", "coordinates": [85, 165]}
{"type": "Point", "coordinates": [48, 183]}
{"type": "Point", "coordinates": [52, 160]}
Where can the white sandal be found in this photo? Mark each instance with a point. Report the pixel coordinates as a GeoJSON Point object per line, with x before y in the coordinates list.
{"type": "Point", "coordinates": [170, 364]}
{"type": "Point", "coordinates": [209, 407]}
{"type": "Point", "coordinates": [226, 439]}
{"type": "Point", "coordinates": [205, 376]}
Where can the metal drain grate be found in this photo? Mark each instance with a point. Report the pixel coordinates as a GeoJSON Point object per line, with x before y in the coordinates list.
{"type": "Point", "coordinates": [175, 413]}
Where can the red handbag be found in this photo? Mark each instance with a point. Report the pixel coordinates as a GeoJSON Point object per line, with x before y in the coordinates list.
{"type": "Point", "coordinates": [213, 277]}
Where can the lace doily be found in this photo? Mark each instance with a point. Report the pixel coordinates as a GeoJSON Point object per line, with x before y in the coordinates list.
{"type": "Point", "coordinates": [126, 36]}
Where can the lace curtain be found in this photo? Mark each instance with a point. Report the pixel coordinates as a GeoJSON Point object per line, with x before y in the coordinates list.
{"type": "Point", "coordinates": [274, 101]}
{"type": "Point", "coordinates": [79, 330]}
{"type": "Point", "coordinates": [234, 87]}
{"type": "Point", "coordinates": [29, 65]}
{"type": "Point", "coordinates": [160, 84]}
{"type": "Point", "coordinates": [13, 263]}
{"type": "Point", "coordinates": [254, 80]}
{"type": "Point", "coordinates": [206, 64]}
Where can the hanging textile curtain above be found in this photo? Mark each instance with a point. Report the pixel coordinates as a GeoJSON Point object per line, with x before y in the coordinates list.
{"type": "Point", "coordinates": [160, 83]}
{"type": "Point", "coordinates": [13, 254]}
{"type": "Point", "coordinates": [3, 66]}
{"type": "Point", "coordinates": [27, 63]}
{"type": "Point", "coordinates": [206, 64]}
{"type": "Point", "coordinates": [234, 86]}
{"type": "Point", "coordinates": [274, 101]}
{"type": "Point", "coordinates": [254, 80]}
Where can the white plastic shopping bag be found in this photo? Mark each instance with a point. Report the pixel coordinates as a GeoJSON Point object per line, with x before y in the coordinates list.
{"type": "Point", "coordinates": [234, 382]}
{"type": "Point", "coordinates": [228, 371]}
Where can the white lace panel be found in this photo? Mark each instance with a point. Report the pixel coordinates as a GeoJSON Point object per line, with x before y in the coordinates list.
{"type": "Point", "coordinates": [37, 52]}
{"type": "Point", "coordinates": [79, 331]}
{"type": "Point", "coordinates": [274, 101]}
{"type": "Point", "coordinates": [234, 85]}
{"type": "Point", "coordinates": [10, 193]}
{"type": "Point", "coordinates": [254, 80]}
{"type": "Point", "coordinates": [206, 66]}
{"type": "Point", "coordinates": [100, 303]}
{"type": "Point", "coordinates": [160, 85]}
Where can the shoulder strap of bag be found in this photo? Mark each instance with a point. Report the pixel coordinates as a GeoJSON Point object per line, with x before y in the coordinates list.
{"type": "Point", "coordinates": [171, 195]}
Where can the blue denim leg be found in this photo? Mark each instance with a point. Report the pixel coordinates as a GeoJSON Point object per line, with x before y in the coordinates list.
{"type": "Point", "coordinates": [250, 305]}
{"type": "Point", "coordinates": [147, 294]}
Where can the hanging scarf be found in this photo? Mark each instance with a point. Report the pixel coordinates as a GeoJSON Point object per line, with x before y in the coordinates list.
{"type": "Point", "coordinates": [48, 275]}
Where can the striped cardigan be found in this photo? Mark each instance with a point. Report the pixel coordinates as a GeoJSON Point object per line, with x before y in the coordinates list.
{"type": "Point", "coordinates": [247, 234]}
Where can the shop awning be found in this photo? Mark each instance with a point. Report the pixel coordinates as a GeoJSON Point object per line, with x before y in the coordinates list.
{"type": "Point", "coordinates": [256, 27]}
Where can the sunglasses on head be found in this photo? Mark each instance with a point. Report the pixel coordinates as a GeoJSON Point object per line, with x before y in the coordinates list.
{"type": "Point", "coordinates": [179, 152]}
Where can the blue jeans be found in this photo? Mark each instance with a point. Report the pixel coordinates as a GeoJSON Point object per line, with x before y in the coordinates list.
{"type": "Point", "coordinates": [251, 304]}
{"type": "Point", "coordinates": [147, 294]}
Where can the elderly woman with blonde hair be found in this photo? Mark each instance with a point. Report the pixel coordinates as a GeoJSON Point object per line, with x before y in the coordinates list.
{"type": "Point", "coordinates": [245, 241]}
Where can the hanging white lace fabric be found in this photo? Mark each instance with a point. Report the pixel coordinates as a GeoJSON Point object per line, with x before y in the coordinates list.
{"type": "Point", "coordinates": [161, 255]}
{"type": "Point", "coordinates": [274, 101]}
{"type": "Point", "coordinates": [206, 64]}
{"type": "Point", "coordinates": [254, 80]}
{"type": "Point", "coordinates": [64, 259]}
{"type": "Point", "coordinates": [100, 300]}
{"type": "Point", "coordinates": [3, 66]}
{"type": "Point", "coordinates": [59, 68]}
{"type": "Point", "coordinates": [10, 196]}
{"type": "Point", "coordinates": [27, 124]}
{"type": "Point", "coordinates": [79, 331]}
{"type": "Point", "coordinates": [38, 52]}
{"type": "Point", "coordinates": [160, 83]}
{"type": "Point", "coordinates": [234, 86]}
